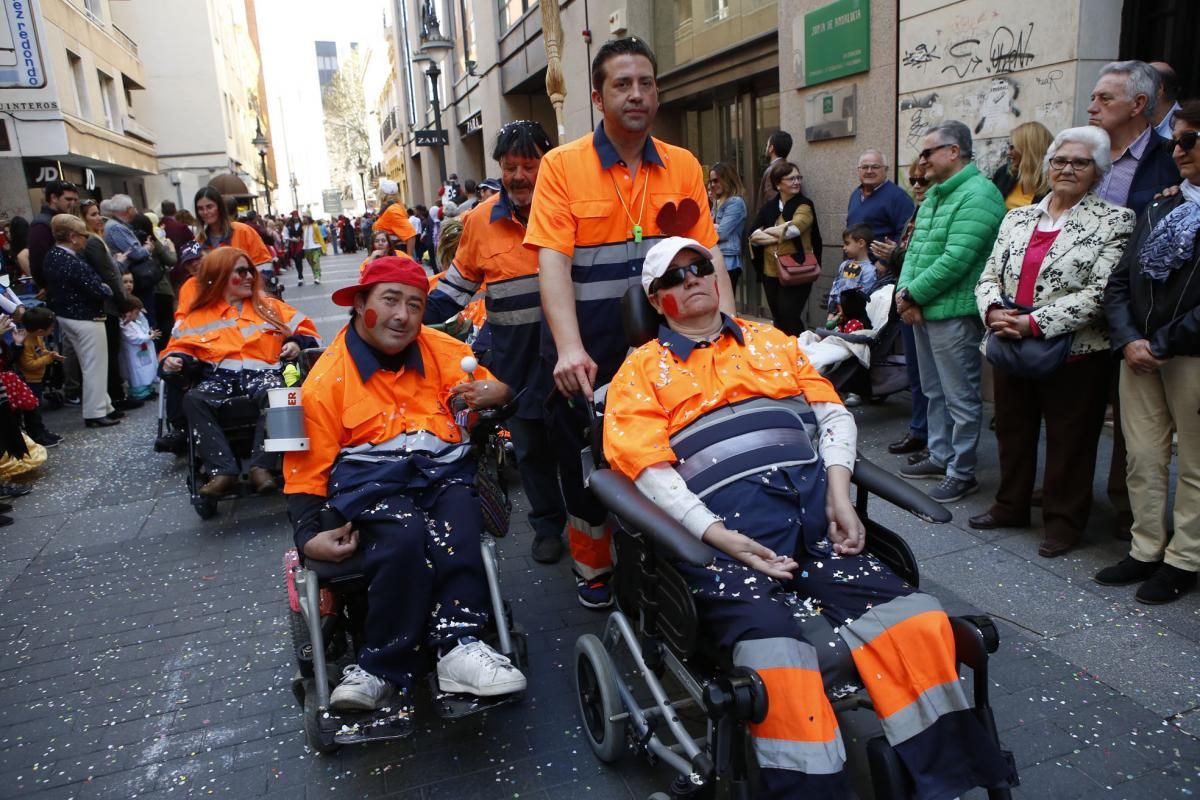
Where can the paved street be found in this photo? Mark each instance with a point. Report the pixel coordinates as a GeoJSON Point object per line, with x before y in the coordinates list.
{"type": "Point", "coordinates": [145, 653]}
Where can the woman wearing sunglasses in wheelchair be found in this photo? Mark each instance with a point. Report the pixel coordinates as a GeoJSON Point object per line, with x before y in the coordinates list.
{"type": "Point", "coordinates": [725, 425]}
{"type": "Point", "coordinates": [231, 343]}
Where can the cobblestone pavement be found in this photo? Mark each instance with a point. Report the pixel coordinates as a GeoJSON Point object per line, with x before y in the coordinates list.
{"type": "Point", "coordinates": [145, 653]}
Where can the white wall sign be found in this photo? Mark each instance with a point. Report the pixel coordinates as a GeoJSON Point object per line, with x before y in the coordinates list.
{"type": "Point", "coordinates": [21, 63]}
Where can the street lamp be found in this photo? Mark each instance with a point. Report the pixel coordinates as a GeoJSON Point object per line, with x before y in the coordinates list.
{"type": "Point", "coordinates": [295, 197]}
{"type": "Point", "coordinates": [262, 145]}
{"type": "Point", "coordinates": [434, 45]}
{"type": "Point", "coordinates": [362, 177]}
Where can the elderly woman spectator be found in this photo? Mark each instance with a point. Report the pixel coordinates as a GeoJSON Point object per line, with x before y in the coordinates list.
{"type": "Point", "coordinates": [1023, 178]}
{"type": "Point", "coordinates": [77, 294]}
{"type": "Point", "coordinates": [1041, 295]}
{"type": "Point", "coordinates": [726, 194]}
{"type": "Point", "coordinates": [1153, 309]}
{"type": "Point", "coordinates": [785, 226]}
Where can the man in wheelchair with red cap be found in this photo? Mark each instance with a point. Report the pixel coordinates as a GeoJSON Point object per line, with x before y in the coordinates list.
{"type": "Point", "coordinates": [726, 425]}
{"type": "Point", "coordinates": [390, 462]}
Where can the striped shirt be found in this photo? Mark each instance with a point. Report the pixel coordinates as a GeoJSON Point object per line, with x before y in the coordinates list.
{"type": "Point", "coordinates": [1116, 184]}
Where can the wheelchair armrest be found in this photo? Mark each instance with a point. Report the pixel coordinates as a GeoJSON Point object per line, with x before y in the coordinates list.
{"type": "Point", "coordinates": [336, 572]}
{"type": "Point", "coordinates": [870, 478]}
{"type": "Point", "coordinates": [624, 500]}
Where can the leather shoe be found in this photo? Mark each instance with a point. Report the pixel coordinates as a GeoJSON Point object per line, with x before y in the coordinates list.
{"type": "Point", "coordinates": [1052, 548]}
{"type": "Point", "coordinates": [262, 481]}
{"type": "Point", "coordinates": [218, 486]}
{"type": "Point", "coordinates": [101, 422]}
{"type": "Point", "coordinates": [909, 444]}
{"type": "Point", "coordinates": [116, 414]}
{"type": "Point", "coordinates": [128, 404]}
{"type": "Point", "coordinates": [547, 549]}
{"type": "Point", "coordinates": [987, 521]}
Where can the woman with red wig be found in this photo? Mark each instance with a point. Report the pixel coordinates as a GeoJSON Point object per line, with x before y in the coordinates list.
{"type": "Point", "coordinates": [233, 338]}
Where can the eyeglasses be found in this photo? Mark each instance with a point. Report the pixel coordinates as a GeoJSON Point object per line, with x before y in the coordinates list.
{"type": "Point", "coordinates": [1077, 164]}
{"type": "Point", "coordinates": [1185, 142]}
{"type": "Point", "coordinates": [676, 276]}
{"type": "Point", "coordinates": [870, 167]}
{"type": "Point", "coordinates": [244, 272]}
{"type": "Point", "coordinates": [86, 203]}
{"type": "Point", "coordinates": [796, 178]}
{"type": "Point", "coordinates": [928, 151]}
{"type": "Point", "coordinates": [919, 181]}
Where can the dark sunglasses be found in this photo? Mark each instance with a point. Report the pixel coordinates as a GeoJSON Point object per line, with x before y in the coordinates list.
{"type": "Point", "coordinates": [919, 181]}
{"type": "Point", "coordinates": [244, 272]}
{"type": "Point", "coordinates": [677, 275]}
{"type": "Point", "coordinates": [1185, 142]}
{"type": "Point", "coordinates": [928, 151]}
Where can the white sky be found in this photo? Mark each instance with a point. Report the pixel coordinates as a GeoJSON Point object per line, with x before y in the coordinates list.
{"type": "Point", "coordinates": [287, 31]}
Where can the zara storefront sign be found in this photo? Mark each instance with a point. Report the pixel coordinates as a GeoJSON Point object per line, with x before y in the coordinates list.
{"type": "Point", "coordinates": [21, 63]}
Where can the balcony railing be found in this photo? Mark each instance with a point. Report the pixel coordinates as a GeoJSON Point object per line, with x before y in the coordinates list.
{"type": "Point", "coordinates": [122, 37]}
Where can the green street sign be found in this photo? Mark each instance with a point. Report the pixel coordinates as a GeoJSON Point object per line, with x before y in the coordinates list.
{"type": "Point", "coordinates": [827, 104]}
{"type": "Point", "coordinates": [837, 41]}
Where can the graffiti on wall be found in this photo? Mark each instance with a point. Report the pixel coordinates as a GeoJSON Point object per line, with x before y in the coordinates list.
{"type": "Point", "coordinates": [990, 67]}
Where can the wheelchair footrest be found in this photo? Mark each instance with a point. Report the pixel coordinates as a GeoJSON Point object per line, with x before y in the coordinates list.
{"type": "Point", "coordinates": [348, 727]}
{"type": "Point", "coordinates": [454, 705]}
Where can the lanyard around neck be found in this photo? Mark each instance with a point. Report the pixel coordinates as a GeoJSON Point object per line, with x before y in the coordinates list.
{"type": "Point", "coordinates": [636, 230]}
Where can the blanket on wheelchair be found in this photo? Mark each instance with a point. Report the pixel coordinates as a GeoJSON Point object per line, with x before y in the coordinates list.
{"type": "Point", "coordinates": [825, 352]}
{"type": "Point", "coordinates": [358, 485]}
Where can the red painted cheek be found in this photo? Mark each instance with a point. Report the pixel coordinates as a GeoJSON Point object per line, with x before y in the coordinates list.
{"type": "Point", "coordinates": [371, 318]}
{"type": "Point", "coordinates": [235, 281]}
{"type": "Point", "coordinates": [671, 306]}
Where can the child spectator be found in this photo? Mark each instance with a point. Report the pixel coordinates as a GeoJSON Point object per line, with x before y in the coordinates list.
{"type": "Point", "coordinates": [139, 362]}
{"type": "Point", "coordinates": [32, 360]}
{"type": "Point", "coordinates": [856, 272]}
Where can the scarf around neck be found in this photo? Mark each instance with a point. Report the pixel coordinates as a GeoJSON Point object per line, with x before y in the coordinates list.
{"type": "Point", "coordinates": [1172, 243]}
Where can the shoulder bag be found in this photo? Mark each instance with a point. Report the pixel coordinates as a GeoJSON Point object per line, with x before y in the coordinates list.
{"type": "Point", "coordinates": [1030, 356]}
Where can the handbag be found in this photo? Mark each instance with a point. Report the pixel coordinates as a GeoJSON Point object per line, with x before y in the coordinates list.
{"type": "Point", "coordinates": [1027, 357]}
{"type": "Point", "coordinates": [794, 271]}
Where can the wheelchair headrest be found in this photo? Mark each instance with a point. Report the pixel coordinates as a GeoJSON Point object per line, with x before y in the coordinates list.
{"type": "Point", "coordinates": [639, 317]}
{"type": "Point", "coordinates": [310, 356]}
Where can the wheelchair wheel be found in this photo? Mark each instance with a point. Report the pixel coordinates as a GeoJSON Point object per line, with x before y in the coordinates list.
{"type": "Point", "coordinates": [301, 643]}
{"type": "Point", "coordinates": [599, 700]}
{"type": "Point", "coordinates": [206, 507]}
{"type": "Point", "coordinates": [312, 723]}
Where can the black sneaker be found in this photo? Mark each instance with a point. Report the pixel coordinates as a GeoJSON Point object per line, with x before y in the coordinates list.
{"type": "Point", "coordinates": [951, 489]}
{"type": "Point", "coordinates": [128, 404]}
{"type": "Point", "coordinates": [925, 469]}
{"type": "Point", "coordinates": [1126, 571]}
{"type": "Point", "coordinates": [11, 490]}
{"type": "Point", "coordinates": [594, 593]}
{"type": "Point", "coordinates": [48, 439]}
{"type": "Point", "coordinates": [73, 401]}
{"type": "Point", "coordinates": [1166, 585]}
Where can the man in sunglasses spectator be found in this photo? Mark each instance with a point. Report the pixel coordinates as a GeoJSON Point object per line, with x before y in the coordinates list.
{"type": "Point", "coordinates": [953, 237]}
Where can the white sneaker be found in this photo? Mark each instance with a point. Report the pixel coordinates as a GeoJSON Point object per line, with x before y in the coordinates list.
{"type": "Point", "coordinates": [474, 668]}
{"type": "Point", "coordinates": [360, 691]}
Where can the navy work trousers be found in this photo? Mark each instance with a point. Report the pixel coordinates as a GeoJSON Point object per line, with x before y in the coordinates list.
{"type": "Point", "coordinates": [427, 582]}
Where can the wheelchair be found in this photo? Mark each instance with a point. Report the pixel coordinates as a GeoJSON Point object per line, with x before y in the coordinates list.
{"type": "Point", "coordinates": [700, 729]}
{"type": "Point", "coordinates": [327, 605]}
{"type": "Point", "coordinates": [238, 416]}
{"type": "Point", "coordinates": [887, 373]}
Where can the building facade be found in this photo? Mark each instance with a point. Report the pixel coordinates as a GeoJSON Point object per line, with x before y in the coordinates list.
{"type": "Point", "coordinates": [72, 104]}
{"type": "Point", "coordinates": [839, 75]}
{"type": "Point", "coordinates": [204, 82]}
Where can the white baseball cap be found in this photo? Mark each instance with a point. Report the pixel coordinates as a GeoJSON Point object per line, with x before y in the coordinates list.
{"type": "Point", "coordinates": [658, 260]}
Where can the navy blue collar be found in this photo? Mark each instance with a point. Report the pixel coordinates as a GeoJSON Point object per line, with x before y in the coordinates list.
{"type": "Point", "coordinates": [608, 152]}
{"type": "Point", "coordinates": [682, 346]}
{"type": "Point", "coordinates": [503, 209]}
{"type": "Point", "coordinates": [368, 360]}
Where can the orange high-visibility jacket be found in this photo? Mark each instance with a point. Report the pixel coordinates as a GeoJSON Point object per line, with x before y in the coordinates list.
{"type": "Point", "coordinates": [229, 337]}
{"type": "Point", "coordinates": [388, 411]}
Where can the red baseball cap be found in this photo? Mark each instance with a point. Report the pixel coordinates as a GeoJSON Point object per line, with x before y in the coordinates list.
{"type": "Point", "coordinates": [389, 269]}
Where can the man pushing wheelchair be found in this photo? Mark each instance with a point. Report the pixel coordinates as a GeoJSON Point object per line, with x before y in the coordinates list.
{"type": "Point", "coordinates": [390, 474]}
{"type": "Point", "coordinates": [726, 426]}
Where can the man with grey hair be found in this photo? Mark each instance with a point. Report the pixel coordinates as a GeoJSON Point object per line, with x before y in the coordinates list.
{"type": "Point", "coordinates": [1123, 103]}
{"type": "Point", "coordinates": [878, 202]}
{"type": "Point", "coordinates": [119, 237]}
{"type": "Point", "coordinates": [950, 244]}
{"type": "Point", "coordinates": [1168, 99]}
